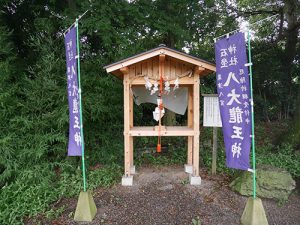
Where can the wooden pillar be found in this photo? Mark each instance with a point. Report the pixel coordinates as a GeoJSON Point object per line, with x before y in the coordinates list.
{"type": "Point", "coordinates": [131, 125]}
{"type": "Point", "coordinates": [126, 86]}
{"type": "Point", "coordinates": [214, 152]}
{"type": "Point", "coordinates": [196, 107]}
{"type": "Point", "coordinates": [190, 118]}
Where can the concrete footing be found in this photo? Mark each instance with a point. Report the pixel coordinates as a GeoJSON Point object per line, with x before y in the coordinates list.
{"type": "Point", "coordinates": [86, 207]}
{"type": "Point", "coordinates": [254, 213]}
{"type": "Point", "coordinates": [127, 180]}
{"type": "Point", "coordinates": [195, 180]}
{"type": "Point", "coordinates": [188, 168]}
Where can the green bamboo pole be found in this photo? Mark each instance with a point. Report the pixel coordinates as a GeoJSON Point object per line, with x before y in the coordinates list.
{"type": "Point", "coordinates": [252, 117]}
{"type": "Point", "coordinates": [80, 104]}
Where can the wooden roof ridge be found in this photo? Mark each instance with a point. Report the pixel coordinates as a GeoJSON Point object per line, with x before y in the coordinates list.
{"type": "Point", "coordinates": [161, 49]}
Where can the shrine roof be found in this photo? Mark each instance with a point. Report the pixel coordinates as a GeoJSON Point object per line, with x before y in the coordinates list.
{"type": "Point", "coordinates": [161, 49]}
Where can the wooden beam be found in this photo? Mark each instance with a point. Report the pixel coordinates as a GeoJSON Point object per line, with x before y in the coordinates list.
{"type": "Point", "coordinates": [161, 128]}
{"type": "Point", "coordinates": [182, 81]}
{"type": "Point", "coordinates": [198, 70]}
{"type": "Point", "coordinates": [124, 70]}
{"type": "Point", "coordinates": [162, 57]}
{"type": "Point", "coordinates": [169, 131]}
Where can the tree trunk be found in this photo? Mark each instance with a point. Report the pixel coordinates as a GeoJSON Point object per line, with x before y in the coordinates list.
{"type": "Point", "coordinates": [291, 6]}
{"type": "Point", "coordinates": [72, 7]}
{"type": "Point", "coordinates": [293, 135]}
{"type": "Point", "coordinates": [266, 109]}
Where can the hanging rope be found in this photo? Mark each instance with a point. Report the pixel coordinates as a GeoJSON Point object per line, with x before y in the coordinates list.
{"type": "Point", "coordinates": [250, 24]}
{"type": "Point", "coordinates": [187, 73]}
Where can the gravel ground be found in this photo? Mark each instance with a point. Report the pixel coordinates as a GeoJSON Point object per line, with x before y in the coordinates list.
{"type": "Point", "coordinates": [163, 196]}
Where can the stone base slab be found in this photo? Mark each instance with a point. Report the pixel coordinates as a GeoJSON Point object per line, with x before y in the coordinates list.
{"type": "Point", "coordinates": [127, 180]}
{"type": "Point", "coordinates": [188, 168]}
{"type": "Point", "coordinates": [195, 180]}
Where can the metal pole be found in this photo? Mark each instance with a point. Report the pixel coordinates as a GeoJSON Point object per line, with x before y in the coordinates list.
{"type": "Point", "coordinates": [79, 91]}
{"type": "Point", "coordinates": [252, 117]}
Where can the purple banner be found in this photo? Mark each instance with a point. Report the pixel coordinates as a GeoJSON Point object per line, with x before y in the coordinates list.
{"type": "Point", "coordinates": [234, 99]}
{"type": "Point", "coordinates": [74, 146]}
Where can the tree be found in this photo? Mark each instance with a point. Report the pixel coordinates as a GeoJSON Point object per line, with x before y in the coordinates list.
{"type": "Point", "coordinates": [277, 80]}
{"type": "Point", "coordinates": [8, 91]}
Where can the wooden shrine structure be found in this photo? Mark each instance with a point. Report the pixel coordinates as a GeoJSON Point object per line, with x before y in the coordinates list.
{"type": "Point", "coordinates": [170, 63]}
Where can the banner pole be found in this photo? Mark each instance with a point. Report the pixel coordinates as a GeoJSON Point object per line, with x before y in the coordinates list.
{"type": "Point", "coordinates": [76, 22]}
{"type": "Point", "coordinates": [80, 104]}
{"type": "Point", "coordinates": [252, 116]}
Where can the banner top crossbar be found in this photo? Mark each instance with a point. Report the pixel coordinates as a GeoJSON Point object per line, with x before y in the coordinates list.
{"type": "Point", "coordinates": [76, 21]}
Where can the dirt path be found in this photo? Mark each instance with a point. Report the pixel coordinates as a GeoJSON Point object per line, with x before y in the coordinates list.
{"type": "Point", "coordinates": [163, 196]}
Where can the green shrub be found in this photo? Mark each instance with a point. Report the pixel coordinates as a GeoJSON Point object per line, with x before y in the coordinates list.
{"type": "Point", "coordinates": [173, 156]}
{"type": "Point", "coordinates": [34, 190]}
{"type": "Point", "coordinates": [283, 157]}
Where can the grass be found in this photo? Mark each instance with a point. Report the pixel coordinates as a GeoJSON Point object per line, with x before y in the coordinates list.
{"type": "Point", "coordinates": [283, 156]}
{"type": "Point", "coordinates": [196, 221]}
{"type": "Point", "coordinates": [36, 189]}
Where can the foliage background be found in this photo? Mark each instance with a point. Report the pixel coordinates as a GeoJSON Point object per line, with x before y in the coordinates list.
{"type": "Point", "coordinates": [34, 168]}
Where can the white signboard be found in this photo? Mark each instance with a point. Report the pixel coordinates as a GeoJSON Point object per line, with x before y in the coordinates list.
{"type": "Point", "coordinates": [211, 111]}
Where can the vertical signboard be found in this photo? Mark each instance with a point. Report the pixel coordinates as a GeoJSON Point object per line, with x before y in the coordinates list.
{"type": "Point", "coordinates": [211, 111]}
